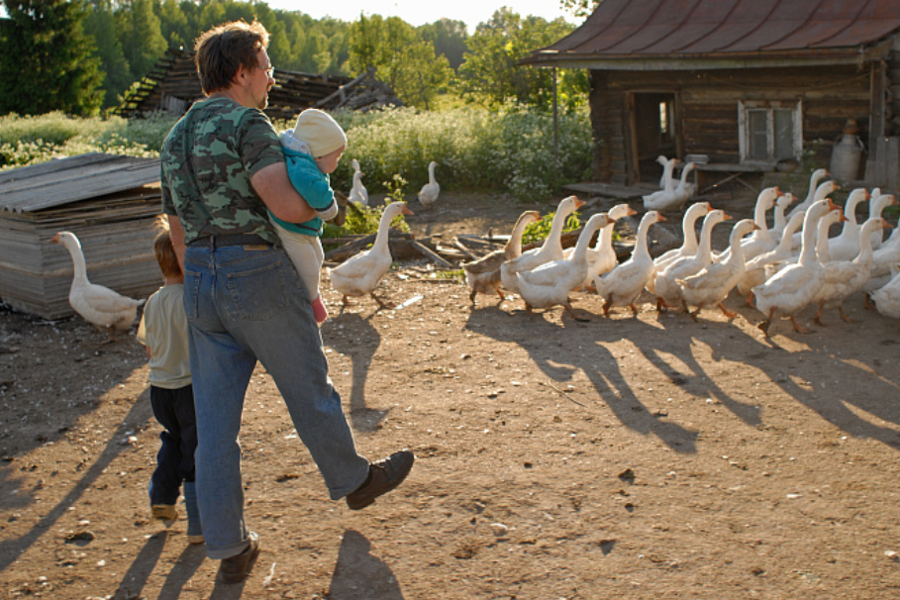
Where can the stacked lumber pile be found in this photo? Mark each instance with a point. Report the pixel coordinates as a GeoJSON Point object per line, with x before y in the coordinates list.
{"type": "Point", "coordinates": [109, 202]}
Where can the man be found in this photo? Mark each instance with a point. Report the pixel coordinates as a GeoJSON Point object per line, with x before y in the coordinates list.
{"type": "Point", "coordinates": [222, 167]}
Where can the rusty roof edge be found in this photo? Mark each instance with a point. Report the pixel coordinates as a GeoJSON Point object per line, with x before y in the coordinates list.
{"type": "Point", "coordinates": [710, 60]}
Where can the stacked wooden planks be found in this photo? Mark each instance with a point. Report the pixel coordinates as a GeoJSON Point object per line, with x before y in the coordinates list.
{"type": "Point", "coordinates": [109, 202]}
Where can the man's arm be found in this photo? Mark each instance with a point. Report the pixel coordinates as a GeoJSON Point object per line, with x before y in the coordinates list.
{"type": "Point", "coordinates": [274, 187]}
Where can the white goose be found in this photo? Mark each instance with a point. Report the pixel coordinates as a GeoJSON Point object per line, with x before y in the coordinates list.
{"type": "Point", "coordinates": [780, 221]}
{"type": "Point", "coordinates": [666, 181]}
{"type": "Point", "coordinates": [623, 285]}
{"type": "Point", "coordinates": [792, 288]}
{"type": "Point", "coordinates": [551, 249]}
{"type": "Point", "coordinates": [821, 193]}
{"type": "Point", "coordinates": [358, 193]}
{"type": "Point", "coordinates": [98, 305]}
{"type": "Point", "coordinates": [550, 284]}
{"type": "Point", "coordinates": [755, 271]}
{"type": "Point", "coordinates": [667, 289]}
{"type": "Point", "coordinates": [883, 260]}
{"type": "Point", "coordinates": [711, 285]}
{"type": "Point", "coordinates": [360, 274]}
{"type": "Point", "coordinates": [664, 200]}
{"type": "Point", "coordinates": [887, 297]}
{"type": "Point", "coordinates": [846, 277]}
{"type": "Point", "coordinates": [877, 203]}
{"type": "Point", "coordinates": [602, 257]}
{"type": "Point", "coordinates": [761, 240]}
{"type": "Point", "coordinates": [846, 245]}
{"type": "Point", "coordinates": [483, 275]}
{"type": "Point", "coordinates": [689, 237]}
{"type": "Point", "coordinates": [428, 195]}
{"type": "Point", "coordinates": [813, 192]}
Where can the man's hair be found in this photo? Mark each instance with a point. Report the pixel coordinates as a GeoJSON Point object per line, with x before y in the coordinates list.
{"type": "Point", "coordinates": [164, 250]}
{"type": "Point", "coordinates": [224, 48]}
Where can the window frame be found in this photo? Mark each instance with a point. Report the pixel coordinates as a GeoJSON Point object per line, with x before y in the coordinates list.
{"type": "Point", "coordinates": [744, 106]}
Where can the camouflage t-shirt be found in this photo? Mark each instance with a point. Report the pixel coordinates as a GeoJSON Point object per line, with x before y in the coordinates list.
{"type": "Point", "coordinates": [206, 163]}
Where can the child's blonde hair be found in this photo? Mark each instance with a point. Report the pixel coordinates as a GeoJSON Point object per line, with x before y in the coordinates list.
{"type": "Point", "coordinates": [165, 251]}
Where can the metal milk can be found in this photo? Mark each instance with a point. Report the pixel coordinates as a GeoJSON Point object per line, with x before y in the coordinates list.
{"type": "Point", "coordinates": [847, 154]}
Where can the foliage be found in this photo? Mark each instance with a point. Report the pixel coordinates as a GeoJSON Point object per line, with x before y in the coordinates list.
{"type": "Point", "coordinates": [361, 220]}
{"type": "Point", "coordinates": [538, 231]}
{"type": "Point", "coordinates": [402, 59]}
{"type": "Point", "coordinates": [508, 151]}
{"type": "Point", "coordinates": [395, 187]}
{"type": "Point", "coordinates": [580, 8]}
{"type": "Point", "coordinates": [45, 59]}
{"type": "Point", "coordinates": [448, 38]}
{"type": "Point", "coordinates": [491, 74]}
{"type": "Point", "coordinates": [31, 140]}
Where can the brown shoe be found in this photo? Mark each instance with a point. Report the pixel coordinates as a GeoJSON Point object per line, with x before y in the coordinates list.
{"type": "Point", "coordinates": [234, 569]}
{"type": "Point", "coordinates": [384, 475]}
{"type": "Point", "coordinates": [164, 512]}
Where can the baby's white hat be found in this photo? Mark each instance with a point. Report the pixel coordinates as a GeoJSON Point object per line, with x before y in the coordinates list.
{"type": "Point", "coordinates": [320, 131]}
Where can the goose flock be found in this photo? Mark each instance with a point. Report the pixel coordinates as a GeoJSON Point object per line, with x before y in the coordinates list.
{"type": "Point", "coordinates": [779, 268]}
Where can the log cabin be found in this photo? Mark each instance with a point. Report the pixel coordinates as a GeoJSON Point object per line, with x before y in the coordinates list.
{"type": "Point", "coordinates": [744, 85]}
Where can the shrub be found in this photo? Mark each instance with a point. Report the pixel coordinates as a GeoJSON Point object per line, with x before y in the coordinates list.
{"type": "Point", "coordinates": [508, 151]}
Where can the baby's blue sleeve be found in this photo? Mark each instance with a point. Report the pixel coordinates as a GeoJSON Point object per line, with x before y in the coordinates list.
{"type": "Point", "coordinates": [313, 185]}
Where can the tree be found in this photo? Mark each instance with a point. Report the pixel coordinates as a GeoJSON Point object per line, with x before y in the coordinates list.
{"type": "Point", "coordinates": [100, 24]}
{"type": "Point", "coordinates": [449, 39]}
{"type": "Point", "coordinates": [580, 8]}
{"type": "Point", "coordinates": [47, 62]}
{"type": "Point", "coordinates": [139, 33]}
{"type": "Point", "coordinates": [403, 60]}
{"type": "Point", "coordinates": [491, 73]}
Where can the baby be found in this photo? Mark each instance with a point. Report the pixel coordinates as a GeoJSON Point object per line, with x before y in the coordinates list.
{"type": "Point", "coordinates": [312, 150]}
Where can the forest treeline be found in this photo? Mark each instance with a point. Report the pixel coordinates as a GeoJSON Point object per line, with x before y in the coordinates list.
{"type": "Point", "coordinates": [81, 56]}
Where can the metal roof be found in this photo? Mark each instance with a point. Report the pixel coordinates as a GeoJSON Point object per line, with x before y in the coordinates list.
{"type": "Point", "coordinates": [740, 31]}
{"type": "Point", "coordinates": [66, 180]}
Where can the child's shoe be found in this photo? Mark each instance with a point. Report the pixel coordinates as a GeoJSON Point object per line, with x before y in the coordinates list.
{"type": "Point", "coordinates": [319, 310]}
{"type": "Point", "coordinates": [164, 512]}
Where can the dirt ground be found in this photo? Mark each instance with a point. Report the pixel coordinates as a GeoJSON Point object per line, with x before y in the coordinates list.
{"type": "Point", "coordinates": [644, 458]}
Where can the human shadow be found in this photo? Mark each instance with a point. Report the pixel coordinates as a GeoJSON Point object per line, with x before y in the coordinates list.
{"type": "Point", "coordinates": [187, 564]}
{"type": "Point", "coordinates": [359, 575]}
{"type": "Point", "coordinates": [135, 578]}
{"type": "Point", "coordinates": [356, 338]}
{"type": "Point", "coordinates": [11, 549]}
{"type": "Point", "coordinates": [554, 356]}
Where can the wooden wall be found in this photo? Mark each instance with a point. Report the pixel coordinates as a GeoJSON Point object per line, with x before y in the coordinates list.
{"type": "Point", "coordinates": [116, 234]}
{"type": "Point", "coordinates": [707, 109]}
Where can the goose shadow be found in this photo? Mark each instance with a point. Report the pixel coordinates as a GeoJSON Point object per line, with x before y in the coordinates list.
{"type": "Point", "coordinates": [678, 338]}
{"type": "Point", "coordinates": [555, 358]}
{"type": "Point", "coordinates": [356, 338]}
{"type": "Point", "coordinates": [801, 374]}
{"type": "Point", "coordinates": [360, 575]}
{"type": "Point", "coordinates": [12, 549]}
{"type": "Point", "coordinates": [832, 386]}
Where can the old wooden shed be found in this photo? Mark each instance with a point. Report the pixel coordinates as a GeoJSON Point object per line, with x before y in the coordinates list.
{"type": "Point", "coordinates": [173, 85]}
{"type": "Point", "coordinates": [109, 202]}
{"type": "Point", "coordinates": [750, 85]}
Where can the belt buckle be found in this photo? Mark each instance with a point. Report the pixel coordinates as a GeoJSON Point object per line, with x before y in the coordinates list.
{"type": "Point", "coordinates": [255, 247]}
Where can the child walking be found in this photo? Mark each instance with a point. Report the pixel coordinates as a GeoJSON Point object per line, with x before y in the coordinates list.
{"type": "Point", "coordinates": [164, 332]}
{"type": "Point", "coordinates": [312, 150]}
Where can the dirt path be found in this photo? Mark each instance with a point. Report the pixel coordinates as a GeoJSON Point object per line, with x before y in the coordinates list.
{"type": "Point", "coordinates": [650, 457]}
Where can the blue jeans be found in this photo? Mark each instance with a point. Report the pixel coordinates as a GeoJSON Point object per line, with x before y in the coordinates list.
{"type": "Point", "coordinates": [243, 306]}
